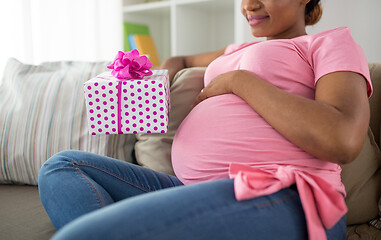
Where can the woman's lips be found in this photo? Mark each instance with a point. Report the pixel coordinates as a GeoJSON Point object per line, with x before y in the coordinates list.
{"type": "Point", "coordinates": [256, 19]}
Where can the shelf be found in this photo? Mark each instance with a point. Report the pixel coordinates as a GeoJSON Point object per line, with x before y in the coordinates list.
{"type": "Point", "coordinates": [184, 27]}
{"type": "Point", "coordinates": [157, 16]}
{"type": "Point", "coordinates": [149, 8]}
{"type": "Point", "coordinates": [208, 5]}
{"type": "Point", "coordinates": [203, 25]}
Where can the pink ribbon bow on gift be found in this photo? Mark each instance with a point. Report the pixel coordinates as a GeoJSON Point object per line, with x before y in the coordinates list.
{"type": "Point", "coordinates": [130, 65]}
{"type": "Point", "coordinates": [322, 204]}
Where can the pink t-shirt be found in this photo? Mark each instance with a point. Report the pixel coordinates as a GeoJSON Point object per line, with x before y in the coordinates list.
{"type": "Point", "coordinates": [225, 129]}
{"type": "Point", "coordinates": [224, 137]}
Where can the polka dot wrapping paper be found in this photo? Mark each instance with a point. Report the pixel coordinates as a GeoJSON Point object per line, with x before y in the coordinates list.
{"type": "Point", "coordinates": [142, 105]}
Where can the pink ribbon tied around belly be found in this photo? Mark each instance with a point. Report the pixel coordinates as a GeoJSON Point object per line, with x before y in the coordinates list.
{"type": "Point", "coordinates": [322, 204]}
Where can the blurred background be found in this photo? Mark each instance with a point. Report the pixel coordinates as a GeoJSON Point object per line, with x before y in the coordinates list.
{"type": "Point", "coordinates": [35, 31]}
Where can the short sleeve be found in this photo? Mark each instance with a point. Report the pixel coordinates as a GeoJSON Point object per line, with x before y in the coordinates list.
{"type": "Point", "coordinates": [336, 51]}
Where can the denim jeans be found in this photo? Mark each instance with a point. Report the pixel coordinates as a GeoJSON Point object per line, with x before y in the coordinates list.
{"type": "Point", "coordinates": [88, 196]}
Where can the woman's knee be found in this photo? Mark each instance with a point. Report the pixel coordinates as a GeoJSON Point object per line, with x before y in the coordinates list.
{"type": "Point", "coordinates": [57, 161]}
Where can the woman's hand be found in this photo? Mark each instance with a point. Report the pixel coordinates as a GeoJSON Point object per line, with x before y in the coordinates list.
{"type": "Point", "coordinates": [222, 84]}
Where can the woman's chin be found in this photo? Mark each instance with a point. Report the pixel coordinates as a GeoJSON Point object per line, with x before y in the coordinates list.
{"type": "Point", "coordinates": [257, 34]}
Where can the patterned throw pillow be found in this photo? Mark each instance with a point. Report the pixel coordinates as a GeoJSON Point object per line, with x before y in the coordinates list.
{"type": "Point", "coordinates": [42, 112]}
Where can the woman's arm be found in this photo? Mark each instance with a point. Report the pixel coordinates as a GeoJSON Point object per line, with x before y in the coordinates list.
{"type": "Point", "coordinates": [332, 127]}
{"type": "Point", "coordinates": [175, 64]}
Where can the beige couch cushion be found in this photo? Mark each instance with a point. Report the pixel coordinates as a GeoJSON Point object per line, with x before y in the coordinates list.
{"type": "Point", "coordinates": [375, 100]}
{"type": "Point", "coordinates": [154, 150]}
{"type": "Point", "coordinates": [362, 181]}
{"type": "Point", "coordinates": [22, 215]}
{"type": "Point", "coordinates": [363, 232]}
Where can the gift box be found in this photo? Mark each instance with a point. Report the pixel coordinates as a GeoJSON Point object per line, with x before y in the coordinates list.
{"type": "Point", "coordinates": [125, 106]}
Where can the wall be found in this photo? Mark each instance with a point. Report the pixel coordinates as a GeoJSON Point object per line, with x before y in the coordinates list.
{"type": "Point", "coordinates": [362, 17]}
{"type": "Point", "coordinates": [35, 31]}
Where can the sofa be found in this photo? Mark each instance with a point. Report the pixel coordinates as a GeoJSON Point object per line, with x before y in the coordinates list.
{"type": "Point", "coordinates": [42, 111]}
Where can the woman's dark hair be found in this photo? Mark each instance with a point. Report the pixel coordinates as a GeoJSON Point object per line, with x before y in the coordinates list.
{"type": "Point", "coordinates": [313, 12]}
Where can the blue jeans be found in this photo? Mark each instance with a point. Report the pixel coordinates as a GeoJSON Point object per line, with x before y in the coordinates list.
{"type": "Point", "coordinates": [88, 196]}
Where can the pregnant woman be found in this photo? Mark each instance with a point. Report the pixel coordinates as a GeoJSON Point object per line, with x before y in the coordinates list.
{"type": "Point", "coordinates": [256, 158]}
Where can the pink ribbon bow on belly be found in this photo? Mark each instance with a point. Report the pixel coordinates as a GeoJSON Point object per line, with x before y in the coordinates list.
{"type": "Point", "coordinates": [322, 204]}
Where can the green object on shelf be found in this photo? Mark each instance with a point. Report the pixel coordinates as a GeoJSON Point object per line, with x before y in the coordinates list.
{"type": "Point", "coordinates": [145, 44]}
{"type": "Point", "coordinates": [133, 28]}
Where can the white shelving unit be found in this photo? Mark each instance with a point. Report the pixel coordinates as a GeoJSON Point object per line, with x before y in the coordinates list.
{"type": "Point", "coordinates": [184, 27]}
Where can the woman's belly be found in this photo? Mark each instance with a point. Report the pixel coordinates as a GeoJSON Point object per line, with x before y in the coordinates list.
{"type": "Point", "coordinates": [225, 129]}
